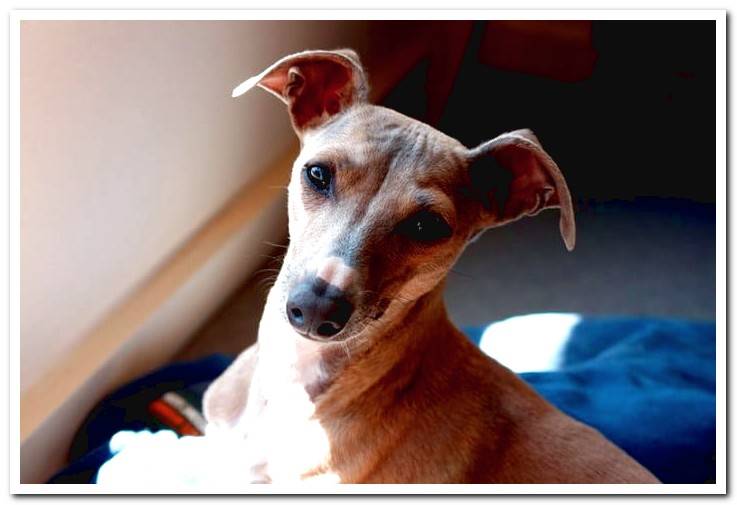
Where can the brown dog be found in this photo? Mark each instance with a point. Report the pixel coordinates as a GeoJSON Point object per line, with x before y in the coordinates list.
{"type": "Point", "coordinates": [358, 375]}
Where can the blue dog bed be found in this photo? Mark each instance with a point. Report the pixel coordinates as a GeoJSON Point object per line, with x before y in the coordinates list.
{"type": "Point", "coordinates": [647, 384]}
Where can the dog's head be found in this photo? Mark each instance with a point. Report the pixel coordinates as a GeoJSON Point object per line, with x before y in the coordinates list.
{"type": "Point", "coordinates": [381, 205]}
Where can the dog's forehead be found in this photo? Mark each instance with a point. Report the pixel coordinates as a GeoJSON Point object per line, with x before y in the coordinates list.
{"type": "Point", "coordinates": [374, 136]}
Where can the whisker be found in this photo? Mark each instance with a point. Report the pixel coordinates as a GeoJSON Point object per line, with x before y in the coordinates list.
{"type": "Point", "coordinates": [267, 283]}
{"type": "Point", "coordinates": [274, 244]}
{"type": "Point", "coordinates": [264, 290]}
{"type": "Point", "coordinates": [262, 270]}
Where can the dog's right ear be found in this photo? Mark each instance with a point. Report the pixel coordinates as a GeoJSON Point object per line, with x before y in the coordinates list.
{"type": "Point", "coordinates": [315, 85]}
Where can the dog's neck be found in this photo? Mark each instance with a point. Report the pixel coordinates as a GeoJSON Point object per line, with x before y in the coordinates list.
{"type": "Point", "coordinates": [405, 329]}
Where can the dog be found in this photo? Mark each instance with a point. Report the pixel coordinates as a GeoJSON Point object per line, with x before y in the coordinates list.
{"type": "Point", "coordinates": [358, 375]}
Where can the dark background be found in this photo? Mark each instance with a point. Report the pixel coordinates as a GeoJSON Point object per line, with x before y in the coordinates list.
{"type": "Point", "coordinates": [627, 110]}
{"type": "Point", "coordinates": [641, 124]}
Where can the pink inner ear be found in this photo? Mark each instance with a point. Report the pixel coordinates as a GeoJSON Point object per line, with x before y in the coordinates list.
{"type": "Point", "coordinates": [534, 182]}
{"type": "Point", "coordinates": [531, 190]}
{"type": "Point", "coordinates": [275, 82]}
{"type": "Point", "coordinates": [325, 86]}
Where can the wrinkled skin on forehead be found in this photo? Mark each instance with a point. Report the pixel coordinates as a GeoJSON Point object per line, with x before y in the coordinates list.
{"type": "Point", "coordinates": [386, 167]}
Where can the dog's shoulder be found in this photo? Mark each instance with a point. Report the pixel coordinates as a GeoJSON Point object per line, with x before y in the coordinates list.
{"type": "Point", "coordinates": [554, 448]}
{"type": "Point", "coordinates": [586, 455]}
{"type": "Point", "coordinates": [521, 437]}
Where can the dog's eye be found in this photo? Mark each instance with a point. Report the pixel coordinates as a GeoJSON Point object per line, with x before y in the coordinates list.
{"type": "Point", "coordinates": [425, 226]}
{"type": "Point", "coordinates": [319, 177]}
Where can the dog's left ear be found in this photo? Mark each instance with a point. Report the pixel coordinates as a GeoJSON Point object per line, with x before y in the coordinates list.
{"type": "Point", "coordinates": [315, 85]}
{"type": "Point", "coordinates": [514, 177]}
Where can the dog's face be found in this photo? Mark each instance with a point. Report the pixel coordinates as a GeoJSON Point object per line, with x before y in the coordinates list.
{"type": "Point", "coordinates": [376, 215]}
{"type": "Point", "coordinates": [381, 205]}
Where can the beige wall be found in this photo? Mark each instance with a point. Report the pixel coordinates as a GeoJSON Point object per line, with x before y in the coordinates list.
{"type": "Point", "coordinates": [130, 141]}
{"type": "Point", "coordinates": [130, 145]}
{"type": "Point", "coordinates": [146, 345]}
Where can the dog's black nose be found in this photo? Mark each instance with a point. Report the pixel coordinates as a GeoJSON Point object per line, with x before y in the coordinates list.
{"type": "Point", "coordinates": [317, 308]}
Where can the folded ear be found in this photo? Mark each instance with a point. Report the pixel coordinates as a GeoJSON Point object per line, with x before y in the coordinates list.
{"type": "Point", "coordinates": [315, 85]}
{"type": "Point", "coordinates": [514, 177]}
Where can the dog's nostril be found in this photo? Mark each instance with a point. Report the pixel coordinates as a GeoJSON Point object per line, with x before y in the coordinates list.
{"type": "Point", "coordinates": [297, 315]}
{"type": "Point", "coordinates": [328, 329]}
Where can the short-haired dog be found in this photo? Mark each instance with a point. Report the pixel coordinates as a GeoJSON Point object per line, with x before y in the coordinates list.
{"type": "Point", "coordinates": [358, 375]}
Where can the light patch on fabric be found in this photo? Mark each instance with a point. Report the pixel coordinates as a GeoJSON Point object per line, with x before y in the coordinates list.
{"type": "Point", "coordinates": [532, 343]}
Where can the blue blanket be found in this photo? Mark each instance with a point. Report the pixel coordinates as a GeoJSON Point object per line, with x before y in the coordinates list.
{"type": "Point", "coordinates": [646, 384]}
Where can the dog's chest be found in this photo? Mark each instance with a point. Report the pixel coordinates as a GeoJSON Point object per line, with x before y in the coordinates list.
{"type": "Point", "coordinates": [285, 442]}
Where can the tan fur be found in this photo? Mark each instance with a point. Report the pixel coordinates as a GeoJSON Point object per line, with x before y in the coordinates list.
{"type": "Point", "coordinates": [399, 395]}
